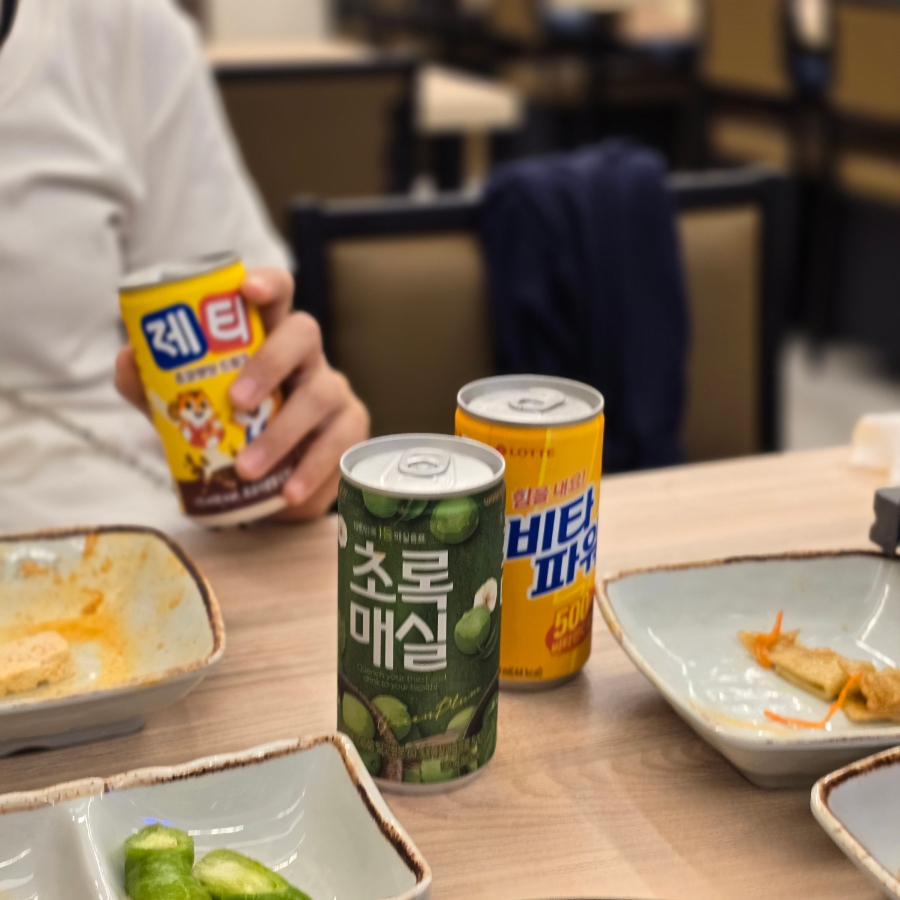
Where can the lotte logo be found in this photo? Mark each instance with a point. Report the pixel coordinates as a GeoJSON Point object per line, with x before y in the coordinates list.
{"type": "Point", "coordinates": [523, 452]}
{"type": "Point", "coordinates": [176, 338]}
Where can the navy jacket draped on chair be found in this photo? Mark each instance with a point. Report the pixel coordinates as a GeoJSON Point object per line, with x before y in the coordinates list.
{"type": "Point", "coordinates": [586, 283]}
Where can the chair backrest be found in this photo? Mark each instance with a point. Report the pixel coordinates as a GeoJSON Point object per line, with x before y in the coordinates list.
{"type": "Point", "coordinates": [401, 291]}
{"type": "Point", "coordinates": [735, 232]}
{"type": "Point", "coordinates": [517, 21]}
{"type": "Point", "coordinates": [333, 129]}
{"type": "Point", "coordinates": [745, 48]}
{"type": "Point", "coordinates": [866, 60]}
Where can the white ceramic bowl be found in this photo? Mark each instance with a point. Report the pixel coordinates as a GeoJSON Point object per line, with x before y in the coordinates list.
{"type": "Point", "coordinates": [680, 624]}
{"type": "Point", "coordinates": [859, 807]}
{"type": "Point", "coordinates": [307, 809]}
{"type": "Point", "coordinates": [143, 624]}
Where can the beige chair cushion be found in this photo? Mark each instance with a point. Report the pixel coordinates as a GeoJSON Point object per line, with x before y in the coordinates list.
{"type": "Point", "coordinates": [409, 325]}
{"type": "Point", "coordinates": [326, 135]}
{"type": "Point", "coordinates": [744, 47]}
{"type": "Point", "coordinates": [870, 176]}
{"type": "Point", "coordinates": [721, 257]}
{"type": "Point", "coordinates": [516, 20]}
{"type": "Point", "coordinates": [867, 61]}
{"type": "Point", "coordinates": [749, 140]}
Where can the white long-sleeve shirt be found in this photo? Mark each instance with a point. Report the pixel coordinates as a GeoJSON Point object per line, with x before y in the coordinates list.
{"type": "Point", "coordinates": [114, 154]}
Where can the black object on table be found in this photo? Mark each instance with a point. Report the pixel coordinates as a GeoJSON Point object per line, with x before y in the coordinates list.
{"type": "Point", "coordinates": [886, 530]}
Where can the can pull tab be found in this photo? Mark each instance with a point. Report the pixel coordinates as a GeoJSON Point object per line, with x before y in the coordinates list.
{"type": "Point", "coordinates": [537, 400]}
{"type": "Point", "coordinates": [424, 462]}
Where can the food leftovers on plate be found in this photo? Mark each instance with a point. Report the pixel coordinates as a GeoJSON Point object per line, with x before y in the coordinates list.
{"type": "Point", "coordinates": [159, 865]}
{"type": "Point", "coordinates": [27, 663]}
{"type": "Point", "coordinates": [864, 693]}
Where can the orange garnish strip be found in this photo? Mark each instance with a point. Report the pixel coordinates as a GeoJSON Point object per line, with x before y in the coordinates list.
{"type": "Point", "coordinates": [766, 642]}
{"type": "Point", "coordinates": [803, 723]}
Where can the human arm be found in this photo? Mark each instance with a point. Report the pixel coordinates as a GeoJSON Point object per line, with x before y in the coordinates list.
{"type": "Point", "coordinates": [320, 408]}
{"type": "Point", "coordinates": [198, 199]}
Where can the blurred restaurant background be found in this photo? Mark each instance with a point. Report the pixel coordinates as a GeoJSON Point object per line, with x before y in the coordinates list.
{"type": "Point", "coordinates": [370, 126]}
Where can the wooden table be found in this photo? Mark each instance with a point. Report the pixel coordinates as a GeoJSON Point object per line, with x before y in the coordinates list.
{"type": "Point", "coordinates": [597, 789]}
{"type": "Point", "coordinates": [281, 53]}
{"type": "Point", "coordinates": [455, 103]}
{"type": "Point", "coordinates": [660, 21]}
{"type": "Point", "coordinates": [812, 20]}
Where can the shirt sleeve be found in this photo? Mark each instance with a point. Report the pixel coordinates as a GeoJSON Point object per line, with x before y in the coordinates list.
{"type": "Point", "coordinates": [195, 195]}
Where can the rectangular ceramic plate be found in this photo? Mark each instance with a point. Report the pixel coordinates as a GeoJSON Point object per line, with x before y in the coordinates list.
{"type": "Point", "coordinates": [680, 627]}
{"type": "Point", "coordinates": [308, 810]}
{"type": "Point", "coordinates": [142, 622]}
{"type": "Point", "coordinates": [859, 807]}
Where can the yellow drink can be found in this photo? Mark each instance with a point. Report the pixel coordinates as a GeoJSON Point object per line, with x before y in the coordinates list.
{"type": "Point", "coordinates": [192, 332]}
{"type": "Point", "coordinates": [550, 431]}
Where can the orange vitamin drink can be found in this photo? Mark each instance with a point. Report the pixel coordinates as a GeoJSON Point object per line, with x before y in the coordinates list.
{"type": "Point", "coordinates": [550, 431]}
{"type": "Point", "coordinates": [192, 333]}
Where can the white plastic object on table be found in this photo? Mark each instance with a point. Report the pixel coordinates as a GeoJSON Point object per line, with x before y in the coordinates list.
{"type": "Point", "coordinates": [876, 444]}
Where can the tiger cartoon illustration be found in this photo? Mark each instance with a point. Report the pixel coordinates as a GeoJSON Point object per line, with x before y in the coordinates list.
{"type": "Point", "coordinates": [255, 421]}
{"type": "Point", "coordinates": [196, 419]}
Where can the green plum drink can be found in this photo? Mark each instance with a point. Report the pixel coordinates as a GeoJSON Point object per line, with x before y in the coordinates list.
{"type": "Point", "coordinates": [421, 521]}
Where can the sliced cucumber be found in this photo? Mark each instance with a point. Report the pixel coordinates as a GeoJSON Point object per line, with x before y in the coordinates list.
{"type": "Point", "coordinates": [159, 840]}
{"type": "Point", "coordinates": [228, 875]}
{"type": "Point", "coordinates": [162, 877]}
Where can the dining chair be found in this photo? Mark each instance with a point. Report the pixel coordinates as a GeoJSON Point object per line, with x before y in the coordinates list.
{"type": "Point", "coordinates": [400, 289]}
{"type": "Point", "coordinates": [518, 22]}
{"type": "Point", "coordinates": [744, 47]}
{"type": "Point", "coordinates": [858, 223]}
{"type": "Point", "coordinates": [748, 93]}
{"type": "Point", "coordinates": [333, 128]}
{"type": "Point", "coordinates": [561, 62]}
{"type": "Point", "coordinates": [865, 98]}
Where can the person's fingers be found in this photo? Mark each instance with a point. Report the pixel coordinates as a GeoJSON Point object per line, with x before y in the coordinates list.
{"type": "Point", "coordinates": [316, 399]}
{"type": "Point", "coordinates": [295, 344]}
{"type": "Point", "coordinates": [272, 290]}
{"type": "Point", "coordinates": [320, 502]}
{"type": "Point", "coordinates": [128, 381]}
{"type": "Point", "coordinates": [348, 427]}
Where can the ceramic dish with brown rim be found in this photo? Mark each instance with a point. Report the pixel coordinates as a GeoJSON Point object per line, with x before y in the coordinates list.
{"type": "Point", "coordinates": [859, 808]}
{"type": "Point", "coordinates": [680, 627]}
{"type": "Point", "coordinates": [142, 624]}
{"type": "Point", "coordinates": [306, 809]}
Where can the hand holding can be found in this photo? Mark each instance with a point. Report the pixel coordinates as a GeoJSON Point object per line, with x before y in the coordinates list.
{"type": "Point", "coordinates": [320, 413]}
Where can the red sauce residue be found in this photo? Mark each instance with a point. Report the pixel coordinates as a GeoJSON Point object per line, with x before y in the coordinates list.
{"type": "Point", "coordinates": [96, 598]}
{"type": "Point", "coordinates": [90, 544]}
{"type": "Point", "coordinates": [85, 606]}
